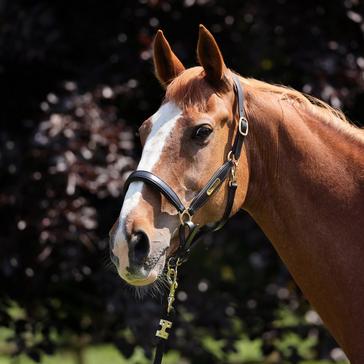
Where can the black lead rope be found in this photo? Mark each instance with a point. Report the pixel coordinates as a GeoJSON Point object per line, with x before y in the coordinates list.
{"type": "Point", "coordinates": [190, 233]}
{"type": "Point", "coordinates": [166, 323]}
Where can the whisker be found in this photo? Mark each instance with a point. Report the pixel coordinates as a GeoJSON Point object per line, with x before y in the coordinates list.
{"type": "Point", "coordinates": [106, 261]}
{"type": "Point", "coordinates": [109, 265]}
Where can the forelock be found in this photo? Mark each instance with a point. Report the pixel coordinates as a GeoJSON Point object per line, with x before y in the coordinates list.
{"type": "Point", "coordinates": [190, 88]}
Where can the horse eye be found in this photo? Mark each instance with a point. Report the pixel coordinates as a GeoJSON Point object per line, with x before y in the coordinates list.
{"type": "Point", "coordinates": [202, 132]}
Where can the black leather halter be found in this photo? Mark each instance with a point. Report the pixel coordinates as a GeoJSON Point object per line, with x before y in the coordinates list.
{"type": "Point", "coordinates": [189, 232]}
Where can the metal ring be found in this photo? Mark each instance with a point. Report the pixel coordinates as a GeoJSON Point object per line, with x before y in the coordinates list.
{"type": "Point", "coordinates": [173, 262]}
{"type": "Point", "coordinates": [185, 216]}
{"type": "Point", "coordinates": [231, 158]}
{"type": "Point", "coordinates": [241, 131]}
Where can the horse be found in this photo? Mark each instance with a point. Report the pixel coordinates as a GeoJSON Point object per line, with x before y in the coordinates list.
{"type": "Point", "coordinates": [300, 176]}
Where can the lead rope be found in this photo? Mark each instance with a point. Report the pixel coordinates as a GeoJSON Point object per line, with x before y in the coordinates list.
{"type": "Point", "coordinates": [166, 323]}
{"type": "Point", "coordinates": [188, 235]}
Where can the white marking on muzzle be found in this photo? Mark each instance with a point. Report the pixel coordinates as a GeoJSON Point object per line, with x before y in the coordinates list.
{"type": "Point", "coordinates": [163, 122]}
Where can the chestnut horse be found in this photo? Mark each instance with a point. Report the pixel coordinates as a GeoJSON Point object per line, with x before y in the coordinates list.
{"type": "Point", "coordinates": [300, 176]}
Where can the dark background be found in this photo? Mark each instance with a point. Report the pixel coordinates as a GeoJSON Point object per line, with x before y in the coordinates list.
{"type": "Point", "coordinates": [76, 80]}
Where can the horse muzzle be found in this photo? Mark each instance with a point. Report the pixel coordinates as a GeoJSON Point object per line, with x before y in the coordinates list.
{"type": "Point", "coordinates": [138, 260]}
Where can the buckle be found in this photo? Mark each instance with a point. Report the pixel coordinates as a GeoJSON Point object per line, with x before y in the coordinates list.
{"type": "Point", "coordinates": [243, 126]}
{"type": "Point", "coordinates": [231, 158]}
{"type": "Point", "coordinates": [233, 179]}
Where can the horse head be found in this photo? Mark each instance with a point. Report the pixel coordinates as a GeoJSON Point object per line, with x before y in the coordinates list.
{"type": "Point", "coordinates": [184, 143]}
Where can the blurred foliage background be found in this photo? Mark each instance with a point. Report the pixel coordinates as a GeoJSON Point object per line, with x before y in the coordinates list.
{"type": "Point", "coordinates": [76, 81]}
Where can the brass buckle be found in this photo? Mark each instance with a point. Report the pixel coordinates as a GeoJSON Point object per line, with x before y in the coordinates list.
{"type": "Point", "coordinates": [235, 162]}
{"type": "Point", "coordinates": [231, 158]}
{"type": "Point", "coordinates": [232, 179]}
{"type": "Point", "coordinates": [243, 128]}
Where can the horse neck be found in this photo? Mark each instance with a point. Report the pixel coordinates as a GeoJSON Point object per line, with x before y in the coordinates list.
{"type": "Point", "coordinates": [306, 193]}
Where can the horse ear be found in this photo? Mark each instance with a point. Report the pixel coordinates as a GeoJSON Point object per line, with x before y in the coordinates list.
{"type": "Point", "coordinates": [167, 65]}
{"type": "Point", "coordinates": [209, 56]}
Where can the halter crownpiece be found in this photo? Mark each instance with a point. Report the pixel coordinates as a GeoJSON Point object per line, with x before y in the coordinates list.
{"type": "Point", "coordinates": [189, 233]}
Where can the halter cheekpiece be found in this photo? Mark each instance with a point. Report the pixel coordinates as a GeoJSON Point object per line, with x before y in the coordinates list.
{"type": "Point", "coordinates": [189, 232]}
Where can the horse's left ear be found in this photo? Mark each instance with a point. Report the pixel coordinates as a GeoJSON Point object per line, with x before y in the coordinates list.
{"type": "Point", "coordinates": [166, 63]}
{"type": "Point", "coordinates": [209, 56]}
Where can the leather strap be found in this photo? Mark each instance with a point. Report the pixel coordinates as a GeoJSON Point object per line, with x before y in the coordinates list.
{"type": "Point", "coordinates": [242, 129]}
{"type": "Point", "coordinates": [239, 95]}
{"type": "Point", "coordinates": [211, 187]}
{"type": "Point", "coordinates": [159, 351]}
{"type": "Point", "coordinates": [229, 205]}
{"type": "Point", "coordinates": [159, 184]}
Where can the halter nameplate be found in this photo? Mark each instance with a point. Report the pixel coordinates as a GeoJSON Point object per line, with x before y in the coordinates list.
{"type": "Point", "coordinates": [214, 186]}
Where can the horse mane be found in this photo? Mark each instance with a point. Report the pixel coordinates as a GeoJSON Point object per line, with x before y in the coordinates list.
{"type": "Point", "coordinates": [190, 88]}
{"type": "Point", "coordinates": [310, 103]}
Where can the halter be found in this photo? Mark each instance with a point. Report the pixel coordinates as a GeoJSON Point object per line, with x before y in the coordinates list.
{"type": "Point", "coordinates": [189, 232]}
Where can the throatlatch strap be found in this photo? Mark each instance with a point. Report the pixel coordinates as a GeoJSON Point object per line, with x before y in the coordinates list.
{"type": "Point", "coordinates": [229, 206]}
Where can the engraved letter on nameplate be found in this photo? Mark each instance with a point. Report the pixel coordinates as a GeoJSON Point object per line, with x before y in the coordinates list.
{"type": "Point", "coordinates": [212, 189]}
{"type": "Point", "coordinates": [162, 333]}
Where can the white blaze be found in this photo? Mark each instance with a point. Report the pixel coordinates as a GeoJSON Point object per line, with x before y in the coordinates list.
{"type": "Point", "coordinates": [163, 122]}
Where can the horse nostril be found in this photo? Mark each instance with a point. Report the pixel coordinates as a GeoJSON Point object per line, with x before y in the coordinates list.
{"type": "Point", "coordinates": [138, 248]}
